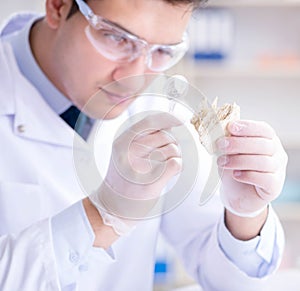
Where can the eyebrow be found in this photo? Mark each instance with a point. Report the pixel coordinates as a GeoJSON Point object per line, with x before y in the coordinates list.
{"type": "Point", "coordinates": [115, 23]}
{"type": "Point", "coordinates": [121, 27]}
{"type": "Point", "coordinates": [131, 33]}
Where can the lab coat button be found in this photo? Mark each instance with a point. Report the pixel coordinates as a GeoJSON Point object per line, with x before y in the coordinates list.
{"type": "Point", "coordinates": [21, 128]}
{"type": "Point", "coordinates": [83, 268]}
{"type": "Point", "coordinates": [74, 257]}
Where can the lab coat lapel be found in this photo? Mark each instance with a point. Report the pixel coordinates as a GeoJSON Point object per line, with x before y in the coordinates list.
{"type": "Point", "coordinates": [33, 118]}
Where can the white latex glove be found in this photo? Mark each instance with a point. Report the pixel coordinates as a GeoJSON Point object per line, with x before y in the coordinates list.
{"type": "Point", "coordinates": [254, 164]}
{"type": "Point", "coordinates": [144, 158]}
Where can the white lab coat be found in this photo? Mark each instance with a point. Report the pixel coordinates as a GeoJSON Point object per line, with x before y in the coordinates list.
{"type": "Point", "coordinates": [38, 180]}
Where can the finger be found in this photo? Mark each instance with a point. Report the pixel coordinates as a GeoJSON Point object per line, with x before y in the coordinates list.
{"type": "Point", "coordinates": [165, 153]}
{"type": "Point", "coordinates": [156, 170]}
{"type": "Point", "coordinates": [159, 154]}
{"type": "Point", "coordinates": [265, 181]}
{"type": "Point", "coordinates": [140, 150]}
{"type": "Point", "coordinates": [251, 129]}
{"type": "Point", "coordinates": [156, 122]}
{"type": "Point", "coordinates": [156, 139]}
{"type": "Point", "coordinates": [173, 167]}
{"type": "Point", "coordinates": [246, 145]}
{"type": "Point", "coordinates": [264, 164]}
{"type": "Point", "coordinates": [145, 145]}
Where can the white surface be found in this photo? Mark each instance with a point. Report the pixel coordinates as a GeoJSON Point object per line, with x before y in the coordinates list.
{"type": "Point", "coordinates": [288, 280]}
{"type": "Point", "coordinates": [189, 288]}
{"type": "Point", "coordinates": [254, 3]}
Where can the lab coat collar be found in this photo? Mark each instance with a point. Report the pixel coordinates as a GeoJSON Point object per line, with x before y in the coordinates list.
{"type": "Point", "coordinates": [7, 105]}
{"type": "Point", "coordinates": [33, 118]}
{"type": "Point", "coordinates": [11, 25]}
{"type": "Point", "coordinates": [17, 22]}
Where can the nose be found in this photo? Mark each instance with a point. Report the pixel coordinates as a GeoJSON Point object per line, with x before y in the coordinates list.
{"type": "Point", "coordinates": [137, 66]}
{"type": "Point", "coordinates": [131, 75]}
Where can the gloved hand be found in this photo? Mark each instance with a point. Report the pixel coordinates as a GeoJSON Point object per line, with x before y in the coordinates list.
{"type": "Point", "coordinates": [144, 158]}
{"type": "Point", "coordinates": [254, 163]}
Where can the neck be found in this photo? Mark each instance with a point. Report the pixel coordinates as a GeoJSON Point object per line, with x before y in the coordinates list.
{"type": "Point", "coordinates": [42, 45]}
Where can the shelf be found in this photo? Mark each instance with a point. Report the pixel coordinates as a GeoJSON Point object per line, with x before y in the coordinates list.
{"type": "Point", "coordinates": [253, 3]}
{"type": "Point", "coordinates": [290, 142]}
{"type": "Point", "coordinates": [204, 70]}
{"type": "Point", "coordinates": [288, 211]}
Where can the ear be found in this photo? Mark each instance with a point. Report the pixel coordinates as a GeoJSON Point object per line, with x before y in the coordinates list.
{"type": "Point", "coordinates": [57, 11]}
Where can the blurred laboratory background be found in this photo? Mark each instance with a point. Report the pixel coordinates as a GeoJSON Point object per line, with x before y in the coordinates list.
{"type": "Point", "coordinates": [248, 52]}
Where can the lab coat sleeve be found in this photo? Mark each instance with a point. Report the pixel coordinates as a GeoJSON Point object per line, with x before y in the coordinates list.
{"type": "Point", "coordinates": [263, 251]}
{"type": "Point", "coordinates": [27, 260]}
{"type": "Point", "coordinates": [48, 255]}
{"type": "Point", "coordinates": [195, 232]}
{"type": "Point", "coordinates": [73, 237]}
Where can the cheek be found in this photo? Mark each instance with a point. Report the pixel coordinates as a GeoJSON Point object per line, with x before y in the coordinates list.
{"type": "Point", "coordinates": [101, 108]}
{"type": "Point", "coordinates": [87, 72]}
{"type": "Point", "coordinates": [82, 69]}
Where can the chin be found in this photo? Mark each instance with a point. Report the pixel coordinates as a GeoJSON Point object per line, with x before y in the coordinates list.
{"type": "Point", "coordinates": [101, 114]}
{"type": "Point", "coordinates": [114, 113]}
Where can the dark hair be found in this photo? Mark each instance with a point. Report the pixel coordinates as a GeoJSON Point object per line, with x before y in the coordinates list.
{"type": "Point", "coordinates": [195, 4]}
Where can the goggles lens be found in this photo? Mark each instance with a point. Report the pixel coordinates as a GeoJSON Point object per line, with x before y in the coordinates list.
{"type": "Point", "coordinates": [116, 44]}
{"type": "Point", "coordinates": [112, 44]}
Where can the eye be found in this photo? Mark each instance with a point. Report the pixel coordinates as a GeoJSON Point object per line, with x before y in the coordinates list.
{"type": "Point", "coordinates": [164, 51]}
{"type": "Point", "coordinates": [115, 37]}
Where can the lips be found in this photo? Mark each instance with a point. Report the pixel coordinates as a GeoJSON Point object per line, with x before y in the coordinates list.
{"type": "Point", "coordinates": [117, 98]}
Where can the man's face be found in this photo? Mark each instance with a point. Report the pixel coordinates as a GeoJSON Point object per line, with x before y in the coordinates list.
{"type": "Point", "coordinates": [81, 71]}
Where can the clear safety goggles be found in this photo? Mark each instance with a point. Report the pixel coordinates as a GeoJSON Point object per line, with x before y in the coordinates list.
{"type": "Point", "coordinates": [118, 45]}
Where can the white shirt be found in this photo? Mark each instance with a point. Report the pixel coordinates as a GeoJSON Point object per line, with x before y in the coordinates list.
{"type": "Point", "coordinates": [40, 194]}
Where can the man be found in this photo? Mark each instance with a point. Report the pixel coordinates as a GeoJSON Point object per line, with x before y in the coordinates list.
{"type": "Point", "coordinates": [52, 238]}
